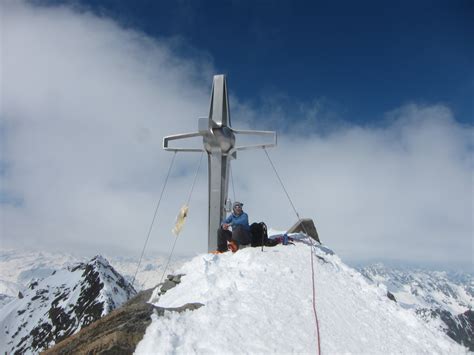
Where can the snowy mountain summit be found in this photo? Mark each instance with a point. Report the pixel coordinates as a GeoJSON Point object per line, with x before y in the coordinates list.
{"type": "Point", "coordinates": [262, 302]}
{"type": "Point", "coordinates": [53, 308]}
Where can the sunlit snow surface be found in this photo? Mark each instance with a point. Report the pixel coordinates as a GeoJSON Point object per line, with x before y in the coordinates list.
{"type": "Point", "coordinates": [261, 302]}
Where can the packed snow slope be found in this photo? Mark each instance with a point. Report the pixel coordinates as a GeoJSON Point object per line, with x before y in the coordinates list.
{"type": "Point", "coordinates": [261, 302]}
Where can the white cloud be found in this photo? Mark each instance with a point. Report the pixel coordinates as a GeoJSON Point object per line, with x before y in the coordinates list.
{"type": "Point", "coordinates": [85, 105]}
{"type": "Point", "coordinates": [402, 192]}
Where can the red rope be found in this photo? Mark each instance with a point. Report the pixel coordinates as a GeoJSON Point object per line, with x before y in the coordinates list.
{"type": "Point", "coordinates": [314, 299]}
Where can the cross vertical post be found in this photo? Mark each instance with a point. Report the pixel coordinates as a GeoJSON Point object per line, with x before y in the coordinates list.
{"type": "Point", "coordinates": [219, 143]}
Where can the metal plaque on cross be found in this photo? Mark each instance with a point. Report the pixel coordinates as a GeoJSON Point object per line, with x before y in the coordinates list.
{"type": "Point", "coordinates": [219, 143]}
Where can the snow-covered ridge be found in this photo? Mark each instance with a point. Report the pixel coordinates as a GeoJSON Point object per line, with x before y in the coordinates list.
{"type": "Point", "coordinates": [443, 299]}
{"type": "Point", "coordinates": [418, 288]}
{"type": "Point", "coordinates": [261, 302]}
{"type": "Point", "coordinates": [53, 308]}
{"type": "Point", "coordinates": [18, 268]}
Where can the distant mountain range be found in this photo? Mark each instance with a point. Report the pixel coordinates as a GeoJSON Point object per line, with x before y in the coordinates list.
{"type": "Point", "coordinates": [46, 297]}
{"type": "Point", "coordinates": [445, 299]}
{"type": "Point", "coordinates": [18, 268]}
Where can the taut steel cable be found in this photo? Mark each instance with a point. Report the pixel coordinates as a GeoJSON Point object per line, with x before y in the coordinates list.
{"type": "Point", "coordinates": [187, 203]}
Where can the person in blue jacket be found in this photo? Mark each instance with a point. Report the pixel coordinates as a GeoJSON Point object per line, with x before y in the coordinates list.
{"type": "Point", "coordinates": [238, 220]}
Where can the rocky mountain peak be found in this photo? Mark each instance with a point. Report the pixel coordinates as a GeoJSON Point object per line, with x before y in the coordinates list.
{"type": "Point", "coordinates": [61, 304]}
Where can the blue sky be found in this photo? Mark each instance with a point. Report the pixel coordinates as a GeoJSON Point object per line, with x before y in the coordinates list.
{"type": "Point", "coordinates": [381, 93]}
{"type": "Point", "coordinates": [362, 58]}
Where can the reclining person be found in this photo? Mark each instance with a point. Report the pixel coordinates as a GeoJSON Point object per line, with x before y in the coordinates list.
{"type": "Point", "coordinates": [240, 234]}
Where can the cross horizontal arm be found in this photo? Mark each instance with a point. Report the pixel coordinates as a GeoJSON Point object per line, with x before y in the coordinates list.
{"type": "Point", "coordinates": [256, 133]}
{"type": "Point", "coordinates": [182, 136]}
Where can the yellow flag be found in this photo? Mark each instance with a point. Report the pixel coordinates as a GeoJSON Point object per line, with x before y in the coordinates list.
{"type": "Point", "coordinates": [180, 219]}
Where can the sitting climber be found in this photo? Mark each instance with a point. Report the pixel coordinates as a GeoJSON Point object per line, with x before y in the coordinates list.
{"type": "Point", "coordinates": [240, 234]}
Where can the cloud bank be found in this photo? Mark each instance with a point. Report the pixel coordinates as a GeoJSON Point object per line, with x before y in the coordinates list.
{"type": "Point", "coordinates": [85, 104]}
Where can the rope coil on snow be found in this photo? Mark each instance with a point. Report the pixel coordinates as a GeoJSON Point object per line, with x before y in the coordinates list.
{"type": "Point", "coordinates": [311, 249]}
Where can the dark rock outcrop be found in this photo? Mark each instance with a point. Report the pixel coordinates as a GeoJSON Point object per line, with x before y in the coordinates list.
{"type": "Point", "coordinates": [391, 296]}
{"type": "Point", "coordinates": [120, 331]}
{"type": "Point", "coordinates": [170, 282]}
{"type": "Point", "coordinates": [460, 327]}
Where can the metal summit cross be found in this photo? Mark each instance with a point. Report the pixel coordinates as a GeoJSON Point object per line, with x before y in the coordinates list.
{"type": "Point", "coordinates": [219, 143]}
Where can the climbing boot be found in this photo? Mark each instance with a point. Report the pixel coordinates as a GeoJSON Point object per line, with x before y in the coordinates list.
{"type": "Point", "coordinates": [233, 246]}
